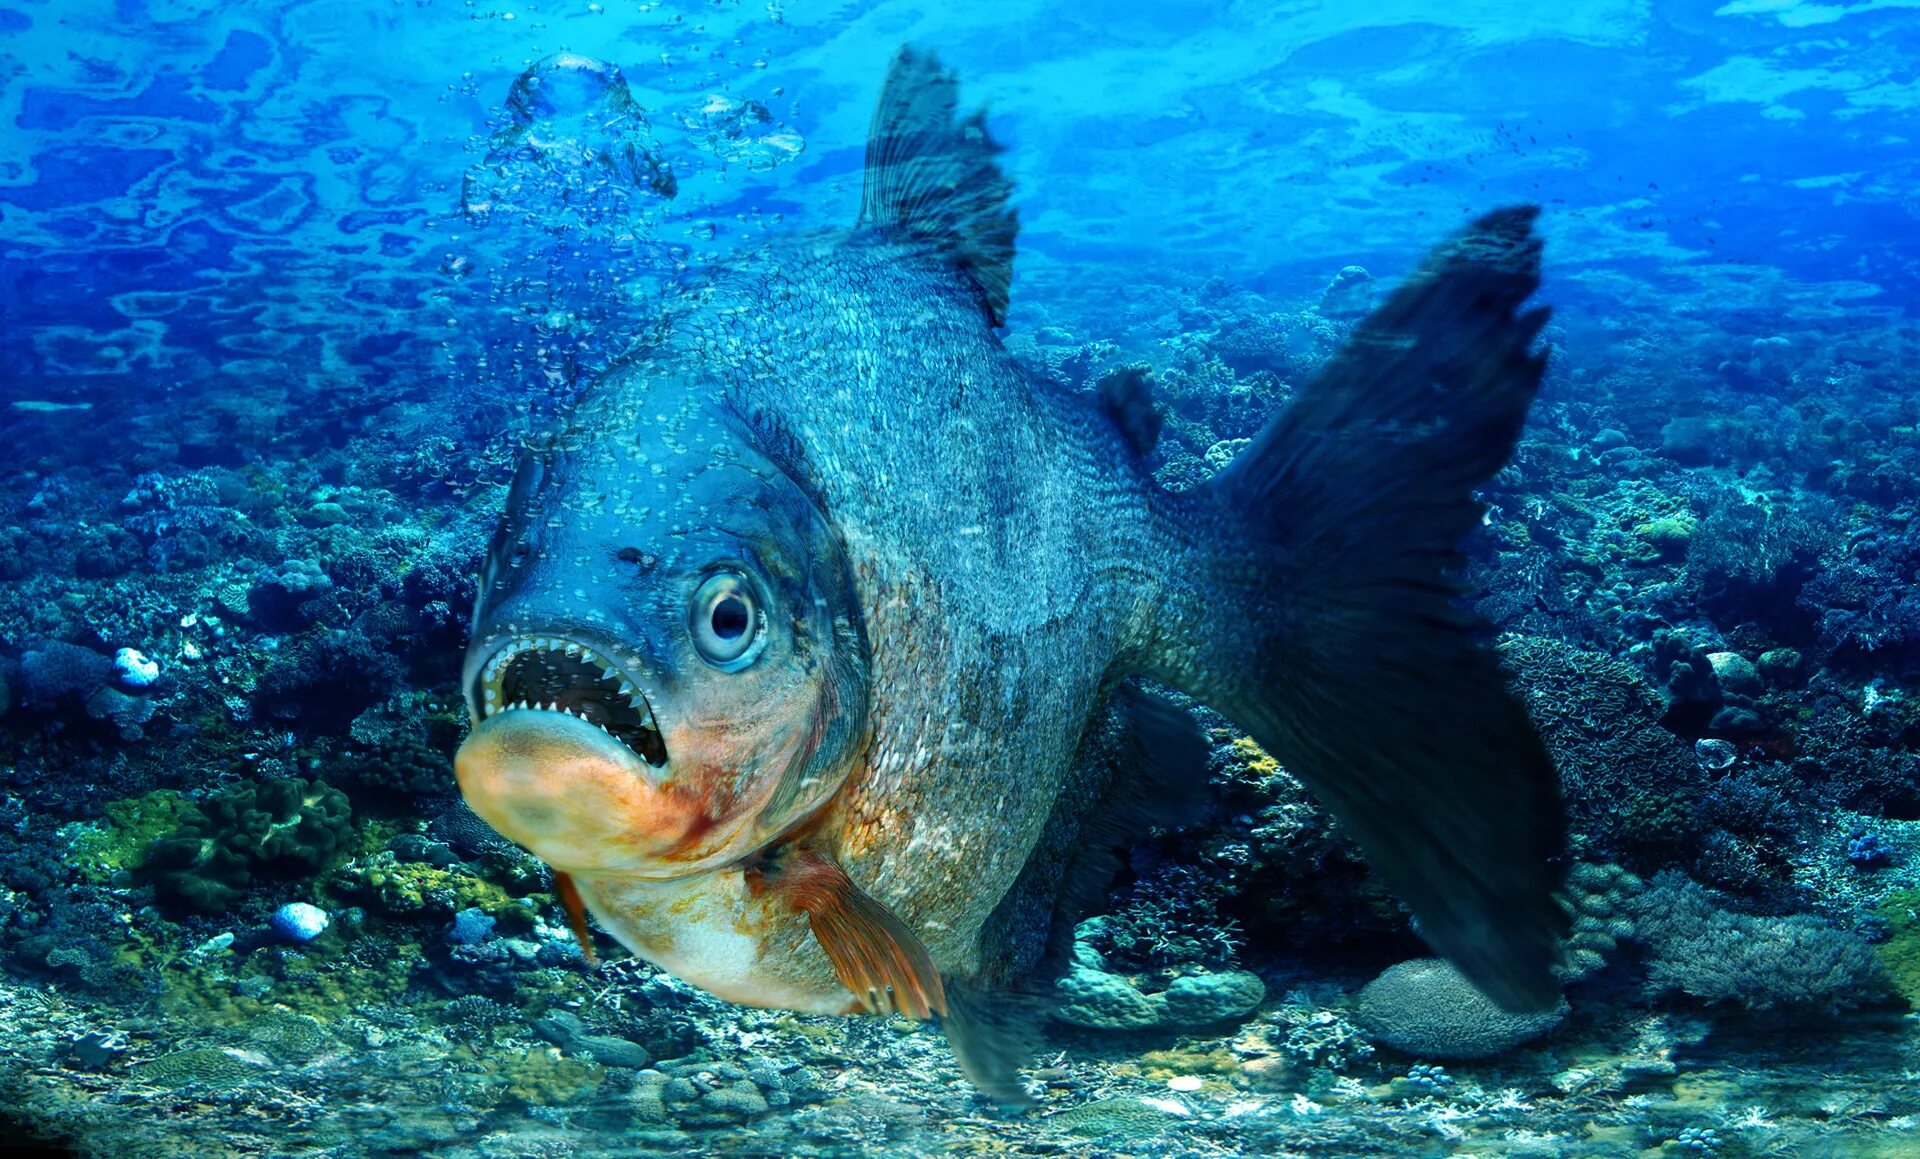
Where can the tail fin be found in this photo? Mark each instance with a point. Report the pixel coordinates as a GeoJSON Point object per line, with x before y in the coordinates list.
{"type": "Point", "coordinates": [1330, 626]}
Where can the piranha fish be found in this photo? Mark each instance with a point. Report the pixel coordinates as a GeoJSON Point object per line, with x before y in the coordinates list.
{"type": "Point", "coordinates": [809, 651]}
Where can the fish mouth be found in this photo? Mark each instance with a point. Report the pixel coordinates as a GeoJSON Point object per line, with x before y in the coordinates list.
{"type": "Point", "coordinates": [555, 674]}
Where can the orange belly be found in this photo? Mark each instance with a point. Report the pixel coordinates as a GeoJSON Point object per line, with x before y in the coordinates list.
{"type": "Point", "coordinates": [710, 931]}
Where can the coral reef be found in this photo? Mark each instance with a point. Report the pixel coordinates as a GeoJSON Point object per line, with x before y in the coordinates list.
{"type": "Point", "coordinates": [1700, 576]}
{"type": "Point", "coordinates": [1427, 1009]}
{"type": "Point", "coordinates": [1762, 963]}
{"type": "Point", "coordinates": [1628, 782]}
{"type": "Point", "coordinates": [270, 829]}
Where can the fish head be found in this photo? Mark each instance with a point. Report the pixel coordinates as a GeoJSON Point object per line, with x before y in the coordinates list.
{"type": "Point", "coordinates": [668, 669]}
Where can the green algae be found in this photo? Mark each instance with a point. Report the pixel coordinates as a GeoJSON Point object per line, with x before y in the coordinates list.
{"type": "Point", "coordinates": [1900, 953]}
{"type": "Point", "coordinates": [125, 835]}
{"type": "Point", "coordinates": [409, 888]}
{"type": "Point", "coordinates": [323, 981]}
{"type": "Point", "coordinates": [543, 1077]}
{"type": "Point", "coordinates": [1186, 1060]}
{"type": "Point", "coordinates": [1668, 536]}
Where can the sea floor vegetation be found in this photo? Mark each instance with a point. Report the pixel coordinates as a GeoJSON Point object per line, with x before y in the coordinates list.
{"type": "Point", "coordinates": [244, 912]}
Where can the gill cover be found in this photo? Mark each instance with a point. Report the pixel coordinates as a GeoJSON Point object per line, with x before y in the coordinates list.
{"type": "Point", "coordinates": [662, 562]}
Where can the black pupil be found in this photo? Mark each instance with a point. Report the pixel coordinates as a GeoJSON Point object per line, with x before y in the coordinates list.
{"type": "Point", "coordinates": [730, 617]}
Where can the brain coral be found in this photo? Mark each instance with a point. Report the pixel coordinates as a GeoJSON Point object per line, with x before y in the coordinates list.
{"type": "Point", "coordinates": [1427, 1008]}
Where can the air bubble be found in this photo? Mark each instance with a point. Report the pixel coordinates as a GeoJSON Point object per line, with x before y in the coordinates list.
{"type": "Point", "coordinates": [741, 132]}
{"type": "Point", "coordinates": [577, 151]}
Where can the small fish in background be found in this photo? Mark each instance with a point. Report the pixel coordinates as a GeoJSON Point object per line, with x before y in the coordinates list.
{"type": "Point", "coordinates": [816, 630]}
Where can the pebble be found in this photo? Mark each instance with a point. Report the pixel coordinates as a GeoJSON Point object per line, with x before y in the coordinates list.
{"type": "Point", "coordinates": [298, 921]}
{"type": "Point", "coordinates": [209, 948]}
{"type": "Point", "coordinates": [608, 1050]}
{"type": "Point", "coordinates": [132, 668]}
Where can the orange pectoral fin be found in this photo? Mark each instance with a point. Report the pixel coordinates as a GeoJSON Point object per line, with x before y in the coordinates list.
{"type": "Point", "coordinates": [873, 952]}
{"type": "Point", "coordinates": [569, 898]}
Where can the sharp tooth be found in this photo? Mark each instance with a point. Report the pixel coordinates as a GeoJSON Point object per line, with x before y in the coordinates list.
{"type": "Point", "coordinates": [627, 689]}
{"type": "Point", "coordinates": [572, 649]}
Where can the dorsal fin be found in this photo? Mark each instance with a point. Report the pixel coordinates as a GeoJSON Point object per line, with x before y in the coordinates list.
{"type": "Point", "coordinates": [931, 177]}
{"type": "Point", "coordinates": [1126, 394]}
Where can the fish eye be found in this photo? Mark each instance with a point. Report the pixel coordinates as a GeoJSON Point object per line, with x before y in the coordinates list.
{"type": "Point", "coordinates": [728, 629]}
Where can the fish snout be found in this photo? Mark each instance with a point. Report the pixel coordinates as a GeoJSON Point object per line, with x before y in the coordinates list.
{"type": "Point", "coordinates": [570, 793]}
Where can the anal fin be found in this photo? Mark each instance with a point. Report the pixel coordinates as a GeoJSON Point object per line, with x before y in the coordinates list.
{"type": "Point", "coordinates": [1158, 753]}
{"type": "Point", "coordinates": [568, 894]}
{"type": "Point", "coordinates": [874, 953]}
{"type": "Point", "coordinates": [993, 1034]}
{"type": "Point", "coordinates": [1126, 395]}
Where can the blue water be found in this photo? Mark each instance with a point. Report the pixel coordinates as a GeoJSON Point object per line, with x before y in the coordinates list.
{"type": "Point", "coordinates": [284, 286]}
{"type": "Point", "coordinates": [187, 190]}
